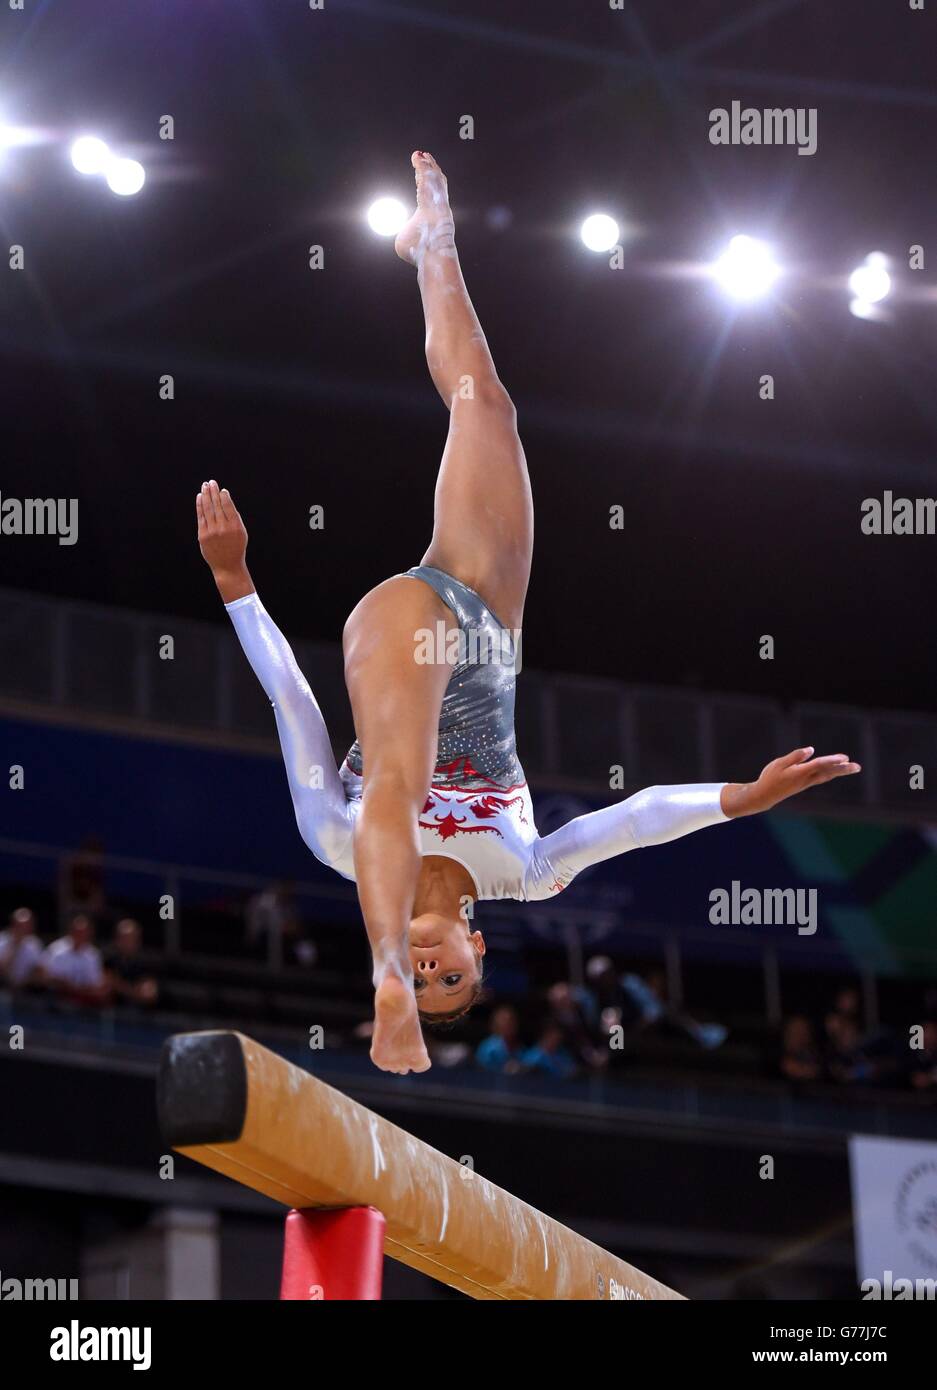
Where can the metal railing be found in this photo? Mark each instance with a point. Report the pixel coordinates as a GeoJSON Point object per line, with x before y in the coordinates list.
{"type": "Point", "coordinates": [185, 678]}
{"type": "Point", "coordinates": [667, 1106]}
{"type": "Point", "coordinates": [577, 931]}
{"type": "Point", "coordinates": [169, 881]}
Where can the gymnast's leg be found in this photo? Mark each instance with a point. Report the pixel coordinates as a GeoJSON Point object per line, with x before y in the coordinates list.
{"type": "Point", "coordinates": [482, 535]}
{"type": "Point", "coordinates": [483, 526]}
{"type": "Point", "coordinates": [396, 702]}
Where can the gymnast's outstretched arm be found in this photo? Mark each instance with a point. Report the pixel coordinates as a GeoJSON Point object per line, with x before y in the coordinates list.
{"type": "Point", "coordinates": [659, 814]}
{"type": "Point", "coordinates": [316, 788]}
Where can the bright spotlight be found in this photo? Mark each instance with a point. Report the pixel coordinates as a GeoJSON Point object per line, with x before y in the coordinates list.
{"type": "Point", "coordinates": [747, 268]}
{"type": "Point", "coordinates": [863, 309]}
{"type": "Point", "coordinates": [90, 155]}
{"type": "Point", "coordinates": [871, 281]}
{"type": "Point", "coordinates": [386, 216]}
{"type": "Point", "coordinates": [15, 136]}
{"type": "Point", "coordinates": [599, 232]}
{"type": "Point", "coordinates": [125, 176]}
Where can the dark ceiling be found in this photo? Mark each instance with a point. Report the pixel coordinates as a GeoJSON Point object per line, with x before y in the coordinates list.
{"type": "Point", "coordinates": [636, 386]}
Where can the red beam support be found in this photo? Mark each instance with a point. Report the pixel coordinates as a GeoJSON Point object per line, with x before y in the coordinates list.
{"type": "Point", "coordinates": [338, 1255]}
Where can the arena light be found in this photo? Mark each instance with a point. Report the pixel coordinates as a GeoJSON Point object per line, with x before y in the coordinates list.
{"type": "Point", "coordinates": [386, 216]}
{"type": "Point", "coordinates": [89, 155]}
{"type": "Point", "coordinates": [864, 310]}
{"type": "Point", "coordinates": [125, 177]}
{"type": "Point", "coordinates": [599, 232]}
{"type": "Point", "coordinates": [746, 270]}
{"type": "Point", "coordinates": [16, 136]}
{"type": "Point", "coordinates": [869, 283]}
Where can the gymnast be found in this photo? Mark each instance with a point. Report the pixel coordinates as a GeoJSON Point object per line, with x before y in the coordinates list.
{"type": "Point", "coordinates": [430, 810]}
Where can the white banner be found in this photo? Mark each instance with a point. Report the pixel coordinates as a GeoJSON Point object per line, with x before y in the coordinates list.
{"type": "Point", "coordinates": [894, 1204]}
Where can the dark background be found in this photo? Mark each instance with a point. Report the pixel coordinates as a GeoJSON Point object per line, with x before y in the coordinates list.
{"type": "Point", "coordinates": [637, 387]}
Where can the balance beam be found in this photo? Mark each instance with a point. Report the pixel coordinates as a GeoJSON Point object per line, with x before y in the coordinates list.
{"type": "Point", "coordinates": [231, 1104]}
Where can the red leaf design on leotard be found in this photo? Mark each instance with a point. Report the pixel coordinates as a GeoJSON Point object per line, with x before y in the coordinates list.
{"type": "Point", "coordinates": [448, 826]}
{"type": "Point", "coordinates": [489, 805]}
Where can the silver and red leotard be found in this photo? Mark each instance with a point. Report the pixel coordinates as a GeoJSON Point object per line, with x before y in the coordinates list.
{"type": "Point", "coordinates": [478, 809]}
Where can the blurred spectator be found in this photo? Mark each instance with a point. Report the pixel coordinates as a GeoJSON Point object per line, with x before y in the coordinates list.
{"type": "Point", "coordinates": [549, 1055]}
{"type": "Point", "coordinates": [604, 983]}
{"type": "Point", "coordinates": [128, 979]}
{"type": "Point", "coordinates": [649, 995]}
{"type": "Point", "coordinates": [573, 1011]}
{"type": "Point", "coordinates": [847, 1061]}
{"type": "Point", "coordinates": [81, 881]}
{"type": "Point", "coordinates": [501, 1050]}
{"type": "Point", "coordinates": [72, 965]}
{"type": "Point", "coordinates": [20, 950]}
{"type": "Point", "coordinates": [640, 1002]}
{"type": "Point", "coordinates": [923, 1069]}
{"type": "Point", "coordinates": [845, 1011]}
{"type": "Point", "coordinates": [271, 918]}
{"type": "Point", "coordinates": [852, 1054]}
{"type": "Point", "coordinates": [615, 1008]}
{"type": "Point", "coordinates": [801, 1059]}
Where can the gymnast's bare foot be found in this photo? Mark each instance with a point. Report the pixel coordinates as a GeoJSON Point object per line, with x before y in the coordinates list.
{"type": "Point", "coordinates": [431, 227]}
{"type": "Point", "coordinates": [398, 1042]}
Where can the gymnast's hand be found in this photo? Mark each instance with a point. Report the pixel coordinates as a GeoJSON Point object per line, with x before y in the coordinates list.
{"type": "Point", "coordinates": [222, 539]}
{"type": "Point", "coordinates": [783, 778]}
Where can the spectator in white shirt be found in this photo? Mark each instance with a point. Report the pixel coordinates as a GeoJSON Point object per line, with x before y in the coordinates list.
{"type": "Point", "coordinates": [72, 965]}
{"type": "Point", "coordinates": [271, 917]}
{"type": "Point", "coordinates": [20, 950]}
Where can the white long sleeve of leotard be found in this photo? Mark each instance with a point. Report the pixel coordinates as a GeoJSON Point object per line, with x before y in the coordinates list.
{"type": "Point", "coordinates": [315, 785]}
{"type": "Point", "coordinates": [650, 817]}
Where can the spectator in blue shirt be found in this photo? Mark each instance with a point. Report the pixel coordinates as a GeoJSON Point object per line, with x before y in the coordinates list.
{"type": "Point", "coordinates": [549, 1055]}
{"type": "Point", "coordinates": [501, 1050]}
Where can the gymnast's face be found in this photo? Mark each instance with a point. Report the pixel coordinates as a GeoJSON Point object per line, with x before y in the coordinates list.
{"type": "Point", "coordinates": [446, 960]}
